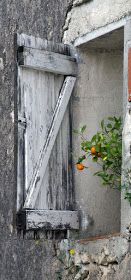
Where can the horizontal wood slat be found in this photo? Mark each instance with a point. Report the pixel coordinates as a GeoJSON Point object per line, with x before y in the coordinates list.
{"type": "Point", "coordinates": [39, 171]}
{"type": "Point", "coordinates": [51, 219]}
{"type": "Point", "coordinates": [47, 61]}
{"type": "Point", "coordinates": [43, 44]}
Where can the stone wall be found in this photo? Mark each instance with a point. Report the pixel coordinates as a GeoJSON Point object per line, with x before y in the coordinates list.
{"type": "Point", "coordinates": [21, 259]}
{"type": "Point", "coordinates": [105, 258]}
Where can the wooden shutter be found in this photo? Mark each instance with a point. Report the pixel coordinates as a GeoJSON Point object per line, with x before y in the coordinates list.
{"type": "Point", "coordinates": [46, 77]}
{"type": "Point", "coordinates": [126, 158]}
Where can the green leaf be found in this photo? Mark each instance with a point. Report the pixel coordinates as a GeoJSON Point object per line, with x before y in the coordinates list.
{"type": "Point", "coordinates": [86, 144]}
{"type": "Point", "coordinates": [109, 125]}
{"type": "Point", "coordinates": [93, 138]}
{"type": "Point", "coordinates": [111, 119]}
{"type": "Point", "coordinates": [80, 159]}
{"type": "Point", "coordinates": [97, 173]}
{"type": "Point", "coordinates": [102, 124]}
{"type": "Point", "coordinates": [83, 128]}
{"type": "Point", "coordinates": [107, 142]}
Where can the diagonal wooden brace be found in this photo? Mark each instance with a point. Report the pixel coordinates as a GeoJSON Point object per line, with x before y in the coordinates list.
{"type": "Point", "coordinates": [41, 165]}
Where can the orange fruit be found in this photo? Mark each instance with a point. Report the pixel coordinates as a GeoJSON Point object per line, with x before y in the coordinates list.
{"type": "Point", "coordinates": [93, 150]}
{"type": "Point", "coordinates": [80, 166]}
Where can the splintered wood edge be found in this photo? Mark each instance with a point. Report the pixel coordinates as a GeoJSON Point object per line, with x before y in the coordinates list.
{"type": "Point", "coordinates": [51, 219]}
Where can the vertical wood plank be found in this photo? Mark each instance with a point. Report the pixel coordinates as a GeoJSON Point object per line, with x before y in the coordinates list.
{"type": "Point", "coordinates": [129, 74]}
{"type": "Point", "coordinates": [38, 117]}
{"type": "Point", "coordinates": [42, 199]}
{"type": "Point", "coordinates": [45, 153]}
{"type": "Point", "coordinates": [126, 136]}
{"type": "Point", "coordinates": [41, 96]}
{"type": "Point", "coordinates": [21, 146]}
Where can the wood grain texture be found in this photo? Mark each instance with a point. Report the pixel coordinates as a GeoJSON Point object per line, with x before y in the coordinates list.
{"type": "Point", "coordinates": [21, 143]}
{"type": "Point", "coordinates": [129, 74]}
{"type": "Point", "coordinates": [47, 61]}
{"type": "Point", "coordinates": [51, 219]}
{"type": "Point", "coordinates": [48, 191]}
{"type": "Point", "coordinates": [45, 166]}
{"type": "Point", "coordinates": [126, 134]}
{"type": "Point", "coordinates": [43, 158]}
{"type": "Point", "coordinates": [43, 44]}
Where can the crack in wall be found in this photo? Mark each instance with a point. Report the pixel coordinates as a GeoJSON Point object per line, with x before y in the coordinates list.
{"type": "Point", "coordinates": [80, 2]}
{"type": "Point", "coordinates": [84, 16]}
{"type": "Point", "coordinates": [74, 3]}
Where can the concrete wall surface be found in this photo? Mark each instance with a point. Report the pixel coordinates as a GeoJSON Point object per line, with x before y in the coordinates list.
{"type": "Point", "coordinates": [20, 259]}
{"type": "Point", "coordinates": [98, 95]}
{"type": "Point", "coordinates": [92, 15]}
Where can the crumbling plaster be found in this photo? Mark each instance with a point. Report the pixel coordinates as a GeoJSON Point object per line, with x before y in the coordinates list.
{"type": "Point", "coordinates": [89, 16]}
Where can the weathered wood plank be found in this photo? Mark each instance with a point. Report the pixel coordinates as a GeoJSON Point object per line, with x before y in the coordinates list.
{"type": "Point", "coordinates": [51, 219]}
{"type": "Point", "coordinates": [129, 74]}
{"type": "Point", "coordinates": [60, 191]}
{"type": "Point", "coordinates": [52, 188]}
{"type": "Point", "coordinates": [43, 44]}
{"type": "Point", "coordinates": [20, 146]}
{"type": "Point", "coordinates": [126, 135]}
{"type": "Point", "coordinates": [38, 92]}
{"type": "Point", "coordinates": [47, 61]}
{"type": "Point", "coordinates": [45, 153]}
